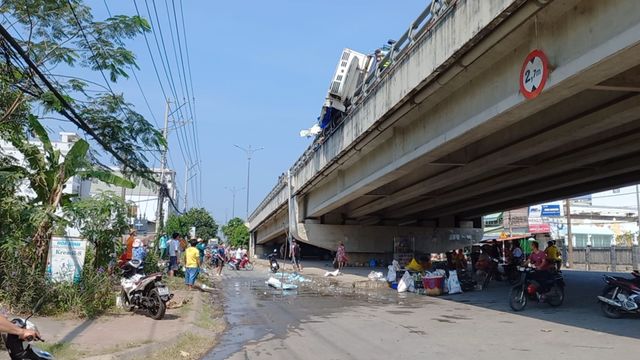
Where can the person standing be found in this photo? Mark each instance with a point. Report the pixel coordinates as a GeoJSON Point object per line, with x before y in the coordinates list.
{"type": "Point", "coordinates": [295, 256]}
{"type": "Point", "coordinates": [221, 259]}
{"type": "Point", "coordinates": [201, 246]}
{"type": "Point", "coordinates": [163, 245]}
{"type": "Point", "coordinates": [127, 254]}
{"type": "Point", "coordinates": [341, 256]}
{"type": "Point", "coordinates": [172, 247]}
{"type": "Point", "coordinates": [192, 263]}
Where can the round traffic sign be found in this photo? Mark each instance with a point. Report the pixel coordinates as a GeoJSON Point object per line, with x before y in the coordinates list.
{"type": "Point", "coordinates": [534, 74]}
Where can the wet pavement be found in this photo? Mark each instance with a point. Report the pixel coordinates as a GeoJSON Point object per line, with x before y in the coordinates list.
{"type": "Point", "coordinates": [321, 321]}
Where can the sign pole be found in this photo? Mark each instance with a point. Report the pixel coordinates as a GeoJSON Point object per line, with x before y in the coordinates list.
{"type": "Point", "coordinates": [567, 203]}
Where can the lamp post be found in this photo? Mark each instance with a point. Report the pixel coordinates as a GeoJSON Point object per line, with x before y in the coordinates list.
{"type": "Point", "coordinates": [233, 191]}
{"type": "Point", "coordinates": [249, 152]}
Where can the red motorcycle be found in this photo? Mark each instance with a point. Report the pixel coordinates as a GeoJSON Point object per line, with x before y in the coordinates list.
{"type": "Point", "coordinates": [620, 295]}
{"type": "Point", "coordinates": [244, 264]}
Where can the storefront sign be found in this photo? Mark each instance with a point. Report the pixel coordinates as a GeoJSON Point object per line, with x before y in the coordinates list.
{"type": "Point", "coordinates": [536, 226]}
{"type": "Point", "coordinates": [534, 74]}
{"type": "Point", "coordinates": [66, 258]}
{"type": "Point", "coordinates": [551, 210]}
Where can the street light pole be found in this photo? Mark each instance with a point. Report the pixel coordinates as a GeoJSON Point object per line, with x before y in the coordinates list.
{"type": "Point", "coordinates": [249, 152]}
{"type": "Point", "coordinates": [233, 191]}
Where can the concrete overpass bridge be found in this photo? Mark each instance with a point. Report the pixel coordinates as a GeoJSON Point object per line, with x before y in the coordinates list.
{"type": "Point", "coordinates": [445, 134]}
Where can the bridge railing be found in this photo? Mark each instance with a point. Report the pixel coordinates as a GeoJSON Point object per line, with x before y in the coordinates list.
{"type": "Point", "coordinates": [427, 19]}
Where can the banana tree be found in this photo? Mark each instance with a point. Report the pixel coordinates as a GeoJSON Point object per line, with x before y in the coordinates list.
{"type": "Point", "coordinates": [47, 172]}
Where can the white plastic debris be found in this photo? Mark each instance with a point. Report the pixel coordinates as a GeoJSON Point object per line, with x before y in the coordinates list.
{"type": "Point", "coordinates": [273, 282]}
{"type": "Point", "coordinates": [332, 273]}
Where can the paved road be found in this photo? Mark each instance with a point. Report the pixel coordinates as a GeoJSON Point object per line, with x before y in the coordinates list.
{"type": "Point", "coordinates": [321, 323]}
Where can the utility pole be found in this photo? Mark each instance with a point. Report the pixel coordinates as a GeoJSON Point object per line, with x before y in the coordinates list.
{"type": "Point", "coordinates": [187, 170]}
{"type": "Point", "coordinates": [163, 165]}
{"type": "Point", "coordinates": [233, 190]}
{"type": "Point", "coordinates": [567, 203]}
{"type": "Point", "coordinates": [249, 152]}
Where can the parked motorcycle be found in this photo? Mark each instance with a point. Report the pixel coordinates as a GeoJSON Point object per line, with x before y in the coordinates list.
{"type": "Point", "coordinates": [143, 291]}
{"type": "Point", "coordinates": [530, 288]}
{"type": "Point", "coordinates": [620, 295]}
{"type": "Point", "coordinates": [245, 264]}
{"type": "Point", "coordinates": [273, 261]}
{"type": "Point", "coordinates": [21, 349]}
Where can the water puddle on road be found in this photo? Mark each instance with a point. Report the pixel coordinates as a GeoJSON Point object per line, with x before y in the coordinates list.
{"type": "Point", "coordinates": [256, 312]}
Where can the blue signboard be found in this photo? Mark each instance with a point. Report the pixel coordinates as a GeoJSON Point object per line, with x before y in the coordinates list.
{"type": "Point", "coordinates": [550, 210]}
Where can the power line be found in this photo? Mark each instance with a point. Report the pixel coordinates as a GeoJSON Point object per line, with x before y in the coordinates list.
{"type": "Point", "coordinates": [169, 75]}
{"type": "Point", "coordinates": [195, 119]}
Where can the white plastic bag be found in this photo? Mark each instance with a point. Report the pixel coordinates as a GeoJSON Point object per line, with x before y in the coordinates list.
{"type": "Point", "coordinates": [403, 284]}
{"type": "Point", "coordinates": [453, 284]}
{"type": "Point", "coordinates": [391, 275]}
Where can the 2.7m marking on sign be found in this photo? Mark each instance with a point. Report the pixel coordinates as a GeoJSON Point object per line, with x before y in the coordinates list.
{"type": "Point", "coordinates": [534, 73]}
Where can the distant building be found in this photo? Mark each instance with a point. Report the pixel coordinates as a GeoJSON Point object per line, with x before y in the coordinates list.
{"type": "Point", "coordinates": [74, 185]}
{"type": "Point", "coordinates": [598, 219]}
{"type": "Point", "coordinates": [143, 199]}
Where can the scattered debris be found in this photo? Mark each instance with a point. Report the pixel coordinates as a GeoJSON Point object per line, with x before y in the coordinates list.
{"type": "Point", "coordinates": [332, 273]}
{"type": "Point", "coordinates": [174, 304]}
{"type": "Point", "coordinates": [376, 275]}
{"type": "Point", "coordinates": [273, 282]}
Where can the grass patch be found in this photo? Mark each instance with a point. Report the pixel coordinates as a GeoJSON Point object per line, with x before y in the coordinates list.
{"type": "Point", "coordinates": [189, 347]}
{"type": "Point", "coordinates": [63, 351]}
{"type": "Point", "coordinates": [210, 316]}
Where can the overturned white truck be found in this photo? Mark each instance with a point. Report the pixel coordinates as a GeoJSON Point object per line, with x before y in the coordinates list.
{"type": "Point", "coordinates": [347, 80]}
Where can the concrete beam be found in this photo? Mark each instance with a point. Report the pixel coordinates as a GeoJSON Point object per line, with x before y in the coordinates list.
{"type": "Point", "coordinates": [606, 150]}
{"type": "Point", "coordinates": [518, 194]}
{"type": "Point", "coordinates": [593, 123]}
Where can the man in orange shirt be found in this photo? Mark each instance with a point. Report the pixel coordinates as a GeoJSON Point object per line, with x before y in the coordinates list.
{"type": "Point", "coordinates": [128, 251]}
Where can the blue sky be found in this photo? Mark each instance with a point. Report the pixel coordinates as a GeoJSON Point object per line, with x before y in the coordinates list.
{"type": "Point", "coordinates": [260, 71]}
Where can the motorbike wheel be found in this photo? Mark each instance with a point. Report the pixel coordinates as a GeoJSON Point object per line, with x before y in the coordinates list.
{"type": "Point", "coordinates": [248, 266]}
{"type": "Point", "coordinates": [517, 298]}
{"type": "Point", "coordinates": [125, 302]}
{"type": "Point", "coordinates": [555, 296]}
{"type": "Point", "coordinates": [609, 311]}
{"type": "Point", "coordinates": [158, 307]}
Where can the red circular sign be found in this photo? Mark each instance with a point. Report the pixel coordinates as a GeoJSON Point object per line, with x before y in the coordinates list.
{"type": "Point", "coordinates": [534, 74]}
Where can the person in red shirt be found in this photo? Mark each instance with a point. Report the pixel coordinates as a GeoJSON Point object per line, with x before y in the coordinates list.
{"type": "Point", "coordinates": [539, 260]}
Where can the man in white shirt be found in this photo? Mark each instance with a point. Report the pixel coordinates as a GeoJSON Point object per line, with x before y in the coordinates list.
{"type": "Point", "coordinates": [238, 254]}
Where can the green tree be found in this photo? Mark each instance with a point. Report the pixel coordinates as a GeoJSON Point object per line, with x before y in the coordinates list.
{"type": "Point", "coordinates": [47, 173]}
{"type": "Point", "coordinates": [102, 220]}
{"type": "Point", "coordinates": [206, 226]}
{"type": "Point", "coordinates": [236, 232]}
{"type": "Point", "coordinates": [44, 43]}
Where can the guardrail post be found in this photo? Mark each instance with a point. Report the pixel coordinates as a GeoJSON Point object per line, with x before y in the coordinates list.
{"type": "Point", "coordinates": [614, 257]}
{"type": "Point", "coordinates": [587, 254]}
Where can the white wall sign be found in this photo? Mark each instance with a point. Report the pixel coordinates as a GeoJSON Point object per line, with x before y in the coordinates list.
{"type": "Point", "coordinates": [66, 258]}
